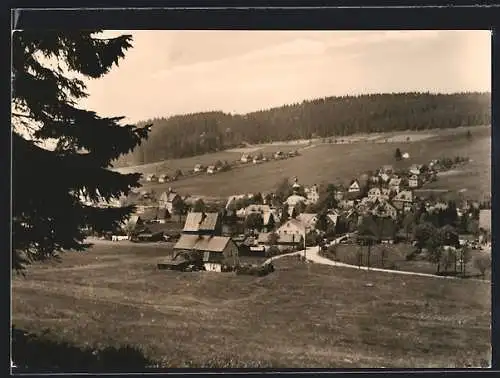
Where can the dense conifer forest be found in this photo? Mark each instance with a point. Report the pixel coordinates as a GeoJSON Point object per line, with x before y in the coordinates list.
{"type": "Point", "coordinates": [194, 134]}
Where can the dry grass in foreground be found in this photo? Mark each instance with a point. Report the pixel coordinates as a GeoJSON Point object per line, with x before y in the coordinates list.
{"type": "Point", "coordinates": [303, 315]}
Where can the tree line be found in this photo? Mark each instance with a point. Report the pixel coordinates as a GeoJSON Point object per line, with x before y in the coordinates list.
{"type": "Point", "coordinates": [198, 133]}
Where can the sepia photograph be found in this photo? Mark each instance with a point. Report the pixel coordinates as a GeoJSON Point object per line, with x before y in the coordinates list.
{"type": "Point", "coordinates": [250, 199]}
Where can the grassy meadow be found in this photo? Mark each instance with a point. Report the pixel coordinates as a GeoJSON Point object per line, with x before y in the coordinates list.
{"type": "Point", "coordinates": [393, 256]}
{"type": "Point", "coordinates": [341, 162]}
{"type": "Point", "coordinates": [303, 315]}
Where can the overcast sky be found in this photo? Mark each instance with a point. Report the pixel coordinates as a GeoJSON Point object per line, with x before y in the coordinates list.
{"type": "Point", "coordinates": [173, 72]}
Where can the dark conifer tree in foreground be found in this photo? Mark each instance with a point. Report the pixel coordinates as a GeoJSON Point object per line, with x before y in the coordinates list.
{"type": "Point", "coordinates": [48, 215]}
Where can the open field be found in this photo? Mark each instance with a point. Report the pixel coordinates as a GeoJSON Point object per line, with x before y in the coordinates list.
{"type": "Point", "coordinates": [303, 315]}
{"type": "Point", "coordinates": [341, 162]}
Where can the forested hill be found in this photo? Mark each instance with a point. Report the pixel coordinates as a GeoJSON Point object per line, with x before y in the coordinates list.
{"type": "Point", "coordinates": [194, 134]}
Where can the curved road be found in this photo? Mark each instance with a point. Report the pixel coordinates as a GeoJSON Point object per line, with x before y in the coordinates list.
{"type": "Point", "coordinates": [312, 255]}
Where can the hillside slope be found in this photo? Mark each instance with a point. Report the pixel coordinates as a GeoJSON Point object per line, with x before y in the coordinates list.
{"type": "Point", "coordinates": [195, 134]}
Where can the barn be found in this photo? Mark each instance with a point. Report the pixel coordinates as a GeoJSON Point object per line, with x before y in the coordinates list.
{"type": "Point", "coordinates": [216, 251]}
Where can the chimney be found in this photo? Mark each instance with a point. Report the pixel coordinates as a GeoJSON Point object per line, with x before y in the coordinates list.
{"type": "Point", "coordinates": [203, 217]}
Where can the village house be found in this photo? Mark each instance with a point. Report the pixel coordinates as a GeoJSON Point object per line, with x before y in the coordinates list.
{"type": "Point", "coordinates": [283, 241]}
{"type": "Point", "coordinates": [403, 200]}
{"type": "Point", "coordinates": [312, 194]}
{"type": "Point", "coordinates": [257, 160]}
{"type": "Point", "coordinates": [233, 199]}
{"type": "Point", "coordinates": [203, 224]}
{"type": "Point", "coordinates": [384, 177]}
{"type": "Point", "coordinates": [414, 181]}
{"type": "Point", "coordinates": [279, 155]}
{"type": "Point", "coordinates": [270, 216]}
{"type": "Point", "coordinates": [353, 217]}
{"type": "Point", "coordinates": [168, 200]}
{"type": "Point", "coordinates": [387, 169]}
{"type": "Point", "coordinates": [386, 194]}
{"type": "Point", "coordinates": [309, 220]}
{"type": "Point", "coordinates": [346, 204]}
{"type": "Point", "coordinates": [246, 158]}
{"type": "Point", "coordinates": [364, 206]}
{"type": "Point", "coordinates": [374, 194]}
{"type": "Point", "coordinates": [216, 251]}
{"type": "Point", "coordinates": [211, 169]}
{"type": "Point", "coordinates": [415, 169]}
{"type": "Point", "coordinates": [333, 217]}
{"type": "Point", "coordinates": [395, 184]}
{"type": "Point", "coordinates": [292, 227]}
{"type": "Point", "coordinates": [163, 178]}
{"type": "Point", "coordinates": [375, 179]}
{"type": "Point", "coordinates": [198, 168]}
{"type": "Point", "coordinates": [151, 178]}
{"type": "Point", "coordinates": [354, 187]}
{"type": "Point", "coordinates": [435, 207]}
{"type": "Point", "coordinates": [154, 214]}
{"type": "Point", "coordinates": [384, 209]}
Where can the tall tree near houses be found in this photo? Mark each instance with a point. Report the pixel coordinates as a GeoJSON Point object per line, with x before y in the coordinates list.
{"type": "Point", "coordinates": [50, 218]}
{"type": "Point", "coordinates": [179, 207]}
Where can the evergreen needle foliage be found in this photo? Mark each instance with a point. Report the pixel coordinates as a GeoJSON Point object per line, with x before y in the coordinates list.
{"type": "Point", "coordinates": [48, 215]}
{"type": "Point", "coordinates": [330, 118]}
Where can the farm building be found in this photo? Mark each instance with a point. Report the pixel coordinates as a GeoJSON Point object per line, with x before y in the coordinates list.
{"type": "Point", "coordinates": [216, 250]}
{"type": "Point", "coordinates": [198, 168]}
{"type": "Point", "coordinates": [211, 169]}
{"type": "Point", "coordinates": [203, 224]}
{"type": "Point", "coordinates": [168, 199]}
{"type": "Point", "coordinates": [405, 155]}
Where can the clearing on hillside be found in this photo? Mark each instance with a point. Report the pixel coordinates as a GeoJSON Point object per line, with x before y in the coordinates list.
{"type": "Point", "coordinates": [342, 162]}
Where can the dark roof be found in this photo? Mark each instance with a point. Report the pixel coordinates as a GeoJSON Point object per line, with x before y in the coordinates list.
{"type": "Point", "coordinates": [201, 221]}
{"type": "Point", "coordinates": [156, 227]}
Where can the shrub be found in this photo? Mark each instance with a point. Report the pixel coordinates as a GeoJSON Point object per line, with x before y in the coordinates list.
{"type": "Point", "coordinates": [36, 352]}
{"type": "Point", "coordinates": [482, 263]}
{"type": "Point", "coordinates": [273, 251]}
{"type": "Point", "coordinates": [253, 270]}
